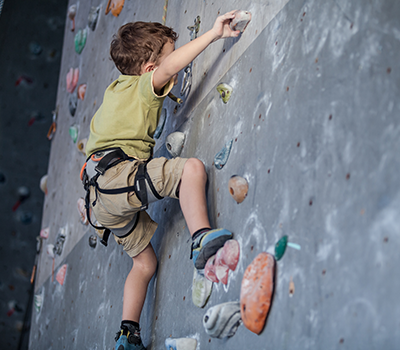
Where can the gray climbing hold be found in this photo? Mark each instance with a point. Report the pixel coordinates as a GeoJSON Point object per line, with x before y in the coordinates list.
{"type": "Point", "coordinates": [73, 103]}
{"type": "Point", "coordinates": [174, 143]}
{"type": "Point", "coordinates": [222, 320]}
{"type": "Point", "coordinates": [180, 343]}
{"type": "Point", "coordinates": [93, 17]}
{"type": "Point", "coordinates": [225, 91]}
{"type": "Point", "coordinates": [222, 156]}
{"type": "Point", "coordinates": [93, 241]}
{"type": "Point", "coordinates": [241, 20]}
{"type": "Point", "coordinates": [161, 124]}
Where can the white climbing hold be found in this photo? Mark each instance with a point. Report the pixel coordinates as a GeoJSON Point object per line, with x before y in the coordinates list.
{"type": "Point", "coordinates": [174, 143]}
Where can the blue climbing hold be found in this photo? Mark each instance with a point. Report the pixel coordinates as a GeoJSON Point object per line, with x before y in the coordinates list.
{"type": "Point", "coordinates": [222, 156]}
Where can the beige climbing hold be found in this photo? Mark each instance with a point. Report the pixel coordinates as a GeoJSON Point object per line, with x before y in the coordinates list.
{"type": "Point", "coordinates": [82, 211]}
{"type": "Point", "coordinates": [291, 287]}
{"type": "Point", "coordinates": [241, 20]}
{"type": "Point", "coordinates": [81, 145]}
{"type": "Point", "coordinates": [238, 188]}
{"type": "Point", "coordinates": [43, 184]}
{"type": "Point", "coordinates": [71, 16]}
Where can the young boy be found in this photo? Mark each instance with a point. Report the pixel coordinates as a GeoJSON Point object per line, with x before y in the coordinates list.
{"type": "Point", "coordinates": [121, 177]}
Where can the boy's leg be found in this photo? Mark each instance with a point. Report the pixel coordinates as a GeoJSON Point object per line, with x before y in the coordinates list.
{"type": "Point", "coordinates": [143, 269]}
{"type": "Point", "coordinates": [192, 195]}
{"type": "Point", "coordinates": [192, 198]}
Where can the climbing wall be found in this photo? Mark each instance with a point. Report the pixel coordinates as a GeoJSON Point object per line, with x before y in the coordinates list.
{"type": "Point", "coordinates": [313, 121]}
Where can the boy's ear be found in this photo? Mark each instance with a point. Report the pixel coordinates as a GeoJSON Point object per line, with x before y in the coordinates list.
{"type": "Point", "coordinates": [148, 67]}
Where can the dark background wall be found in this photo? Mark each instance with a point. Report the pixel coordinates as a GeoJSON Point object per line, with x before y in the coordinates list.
{"type": "Point", "coordinates": [31, 39]}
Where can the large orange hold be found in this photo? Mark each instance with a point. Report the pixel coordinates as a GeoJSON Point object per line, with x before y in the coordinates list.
{"type": "Point", "coordinates": [256, 292]}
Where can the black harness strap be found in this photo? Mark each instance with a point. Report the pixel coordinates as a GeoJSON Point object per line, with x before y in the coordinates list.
{"type": "Point", "coordinates": [139, 187]}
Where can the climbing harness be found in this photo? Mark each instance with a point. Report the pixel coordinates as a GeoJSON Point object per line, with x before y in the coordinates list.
{"type": "Point", "coordinates": [105, 160]}
{"type": "Point", "coordinates": [187, 77]}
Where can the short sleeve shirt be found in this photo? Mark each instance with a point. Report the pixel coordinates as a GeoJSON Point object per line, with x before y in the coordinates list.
{"type": "Point", "coordinates": [128, 116]}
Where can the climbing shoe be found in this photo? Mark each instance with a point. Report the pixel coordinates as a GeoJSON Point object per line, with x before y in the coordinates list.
{"type": "Point", "coordinates": [205, 243]}
{"type": "Point", "coordinates": [128, 338]}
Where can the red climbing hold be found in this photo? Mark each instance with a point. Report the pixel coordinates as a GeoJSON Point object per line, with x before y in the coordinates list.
{"type": "Point", "coordinates": [60, 277]}
{"type": "Point", "coordinates": [256, 292]}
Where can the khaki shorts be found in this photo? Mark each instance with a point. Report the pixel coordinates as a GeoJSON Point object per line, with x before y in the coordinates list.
{"type": "Point", "coordinates": [116, 211]}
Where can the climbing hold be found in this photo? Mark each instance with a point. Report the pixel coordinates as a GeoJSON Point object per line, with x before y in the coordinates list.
{"type": "Point", "coordinates": [115, 6]}
{"type": "Point", "coordinates": [221, 270]}
{"type": "Point", "coordinates": [73, 132]}
{"type": "Point", "coordinates": [225, 91]}
{"type": "Point", "coordinates": [81, 145]}
{"type": "Point", "coordinates": [50, 250]}
{"type": "Point", "coordinates": [72, 79]}
{"type": "Point", "coordinates": [256, 292]}
{"type": "Point", "coordinates": [23, 194]}
{"type": "Point", "coordinates": [201, 289]}
{"type": "Point", "coordinates": [222, 320]}
{"type": "Point", "coordinates": [44, 233]}
{"type": "Point", "coordinates": [82, 91]}
{"type": "Point", "coordinates": [222, 156]}
{"type": "Point", "coordinates": [238, 188]}
{"type": "Point", "coordinates": [26, 217]}
{"type": "Point", "coordinates": [60, 277]}
{"type": "Point", "coordinates": [280, 248]}
{"type": "Point", "coordinates": [161, 123]}
{"type": "Point", "coordinates": [82, 211]}
{"type": "Point", "coordinates": [38, 300]}
{"type": "Point", "coordinates": [53, 126]}
{"type": "Point", "coordinates": [93, 17]}
{"type": "Point", "coordinates": [35, 48]}
{"type": "Point", "coordinates": [43, 184]}
{"type": "Point", "coordinates": [174, 143]}
{"type": "Point", "coordinates": [71, 16]}
{"type": "Point", "coordinates": [93, 241]}
{"type": "Point", "coordinates": [73, 103]}
{"type": "Point", "coordinates": [62, 235]}
{"type": "Point", "coordinates": [80, 40]}
{"type": "Point", "coordinates": [209, 270]}
{"type": "Point", "coordinates": [180, 344]}
{"type": "Point", "coordinates": [229, 254]}
{"type": "Point", "coordinates": [241, 20]}
{"type": "Point", "coordinates": [291, 287]}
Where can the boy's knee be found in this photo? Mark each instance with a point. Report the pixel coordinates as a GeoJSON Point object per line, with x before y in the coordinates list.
{"type": "Point", "coordinates": [146, 266]}
{"type": "Point", "coordinates": [195, 166]}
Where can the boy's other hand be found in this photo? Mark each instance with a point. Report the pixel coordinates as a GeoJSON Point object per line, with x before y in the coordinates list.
{"type": "Point", "coordinates": [221, 26]}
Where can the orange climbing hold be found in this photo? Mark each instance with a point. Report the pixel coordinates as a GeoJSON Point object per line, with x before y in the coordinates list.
{"type": "Point", "coordinates": [81, 91]}
{"type": "Point", "coordinates": [256, 292]}
{"type": "Point", "coordinates": [115, 6]}
{"type": "Point", "coordinates": [238, 188]}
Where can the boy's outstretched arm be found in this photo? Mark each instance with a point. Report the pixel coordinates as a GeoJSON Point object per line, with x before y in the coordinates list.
{"type": "Point", "coordinates": [181, 57]}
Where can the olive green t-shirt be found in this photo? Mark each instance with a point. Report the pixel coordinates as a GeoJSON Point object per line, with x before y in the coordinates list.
{"type": "Point", "coordinates": [128, 116]}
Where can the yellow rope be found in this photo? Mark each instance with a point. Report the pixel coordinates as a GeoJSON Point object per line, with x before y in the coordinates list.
{"type": "Point", "coordinates": [164, 18]}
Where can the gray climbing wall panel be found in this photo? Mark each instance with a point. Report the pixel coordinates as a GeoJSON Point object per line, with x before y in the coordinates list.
{"type": "Point", "coordinates": [314, 116]}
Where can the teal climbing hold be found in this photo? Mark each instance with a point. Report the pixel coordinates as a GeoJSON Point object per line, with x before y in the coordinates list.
{"type": "Point", "coordinates": [80, 40]}
{"type": "Point", "coordinates": [73, 132]}
{"type": "Point", "coordinates": [280, 247]}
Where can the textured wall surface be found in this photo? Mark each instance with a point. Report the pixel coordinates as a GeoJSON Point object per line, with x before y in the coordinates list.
{"type": "Point", "coordinates": [314, 119]}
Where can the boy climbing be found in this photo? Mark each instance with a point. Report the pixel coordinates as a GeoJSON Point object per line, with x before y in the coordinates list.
{"type": "Point", "coordinates": [121, 177]}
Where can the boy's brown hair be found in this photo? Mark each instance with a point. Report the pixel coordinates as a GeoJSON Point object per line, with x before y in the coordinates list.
{"type": "Point", "coordinates": [138, 43]}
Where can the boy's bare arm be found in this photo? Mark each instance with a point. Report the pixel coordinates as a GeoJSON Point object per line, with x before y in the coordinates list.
{"type": "Point", "coordinates": [181, 57]}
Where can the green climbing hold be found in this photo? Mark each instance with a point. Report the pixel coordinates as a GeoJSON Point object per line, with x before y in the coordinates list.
{"type": "Point", "coordinates": [225, 91]}
{"type": "Point", "coordinates": [73, 132]}
{"type": "Point", "coordinates": [280, 247]}
{"type": "Point", "coordinates": [80, 40]}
